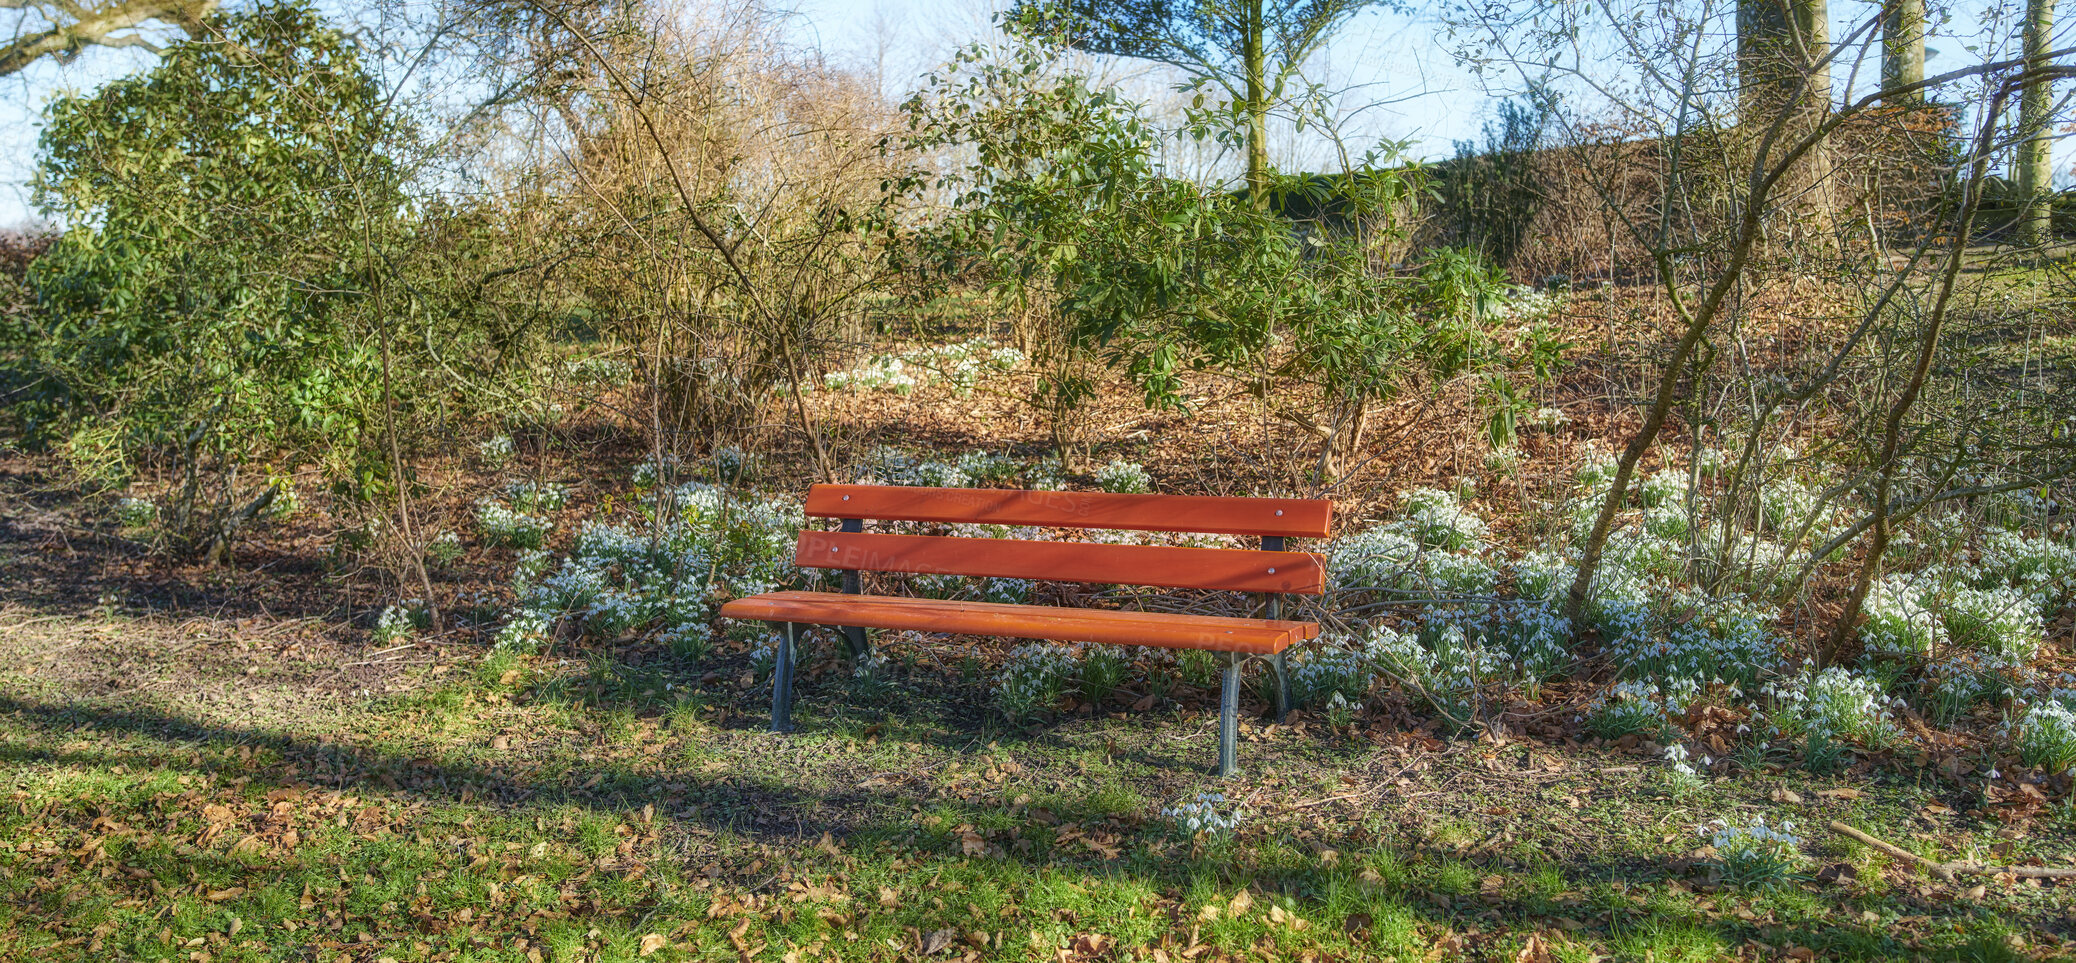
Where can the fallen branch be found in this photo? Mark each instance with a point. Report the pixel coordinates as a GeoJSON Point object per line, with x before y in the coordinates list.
{"type": "Point", "coordinates": [1948, 871]}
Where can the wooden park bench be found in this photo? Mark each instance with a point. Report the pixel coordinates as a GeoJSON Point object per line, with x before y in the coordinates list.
{"type": "Point", "coordinates": [1270, 571]}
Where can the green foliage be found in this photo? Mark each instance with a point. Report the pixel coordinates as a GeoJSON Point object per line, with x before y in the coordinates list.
{"type": "Point", "coordinates": [1489, 193]}
{"type": "Point", "coordinates": [241, 254]}
{"type": "Point", "coordinates": [1061, 202]}
{"type": "Point", "coordinates": [199, 303]}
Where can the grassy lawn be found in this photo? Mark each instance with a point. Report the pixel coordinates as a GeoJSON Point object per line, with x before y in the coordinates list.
{"type": "Point", "coordinates": [205, 790]}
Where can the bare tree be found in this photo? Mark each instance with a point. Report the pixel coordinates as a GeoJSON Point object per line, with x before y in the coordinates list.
{"type": "Point", "coordinates": [1727, 272]}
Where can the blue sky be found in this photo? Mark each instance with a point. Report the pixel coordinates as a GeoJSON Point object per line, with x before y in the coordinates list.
{"type": "Point", "coordinates": [1399, 79]}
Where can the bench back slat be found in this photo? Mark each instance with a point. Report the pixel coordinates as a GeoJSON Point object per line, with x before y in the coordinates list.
{"type": "Point", "coordinates": [1164, 566]}
{"type": "Point", "coordinates": [1290, 517]}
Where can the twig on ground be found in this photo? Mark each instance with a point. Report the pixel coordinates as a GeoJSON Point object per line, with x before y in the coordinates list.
{"type": "Point", "coordinates": [371, 660]}
{"type": "Point", "coordinates": [1949, 870]}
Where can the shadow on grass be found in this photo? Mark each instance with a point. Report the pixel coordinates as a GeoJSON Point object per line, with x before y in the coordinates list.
{"type": "Point", "coordinates": [1437, 889]}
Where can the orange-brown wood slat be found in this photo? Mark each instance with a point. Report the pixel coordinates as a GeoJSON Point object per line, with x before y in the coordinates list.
{"type": "Point", "coordinates": [1236, 570]}
{"type": "Point", "coordinates": [1292, 517]}
{"type": "Point", "coordinates": [1024, 621]}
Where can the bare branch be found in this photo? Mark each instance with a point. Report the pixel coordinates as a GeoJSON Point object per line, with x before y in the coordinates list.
{"type": "Point", "coordinates": [97, 27]}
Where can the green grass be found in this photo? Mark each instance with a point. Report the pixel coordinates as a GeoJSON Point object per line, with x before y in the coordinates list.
{"type": "Point", "coordinates": [518, 808]}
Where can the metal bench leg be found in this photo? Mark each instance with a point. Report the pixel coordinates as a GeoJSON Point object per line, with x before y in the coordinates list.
{"type": "Point", "coordinates": [861, 647]}
{"type": "Point", "coordinates": [1282, 666]}
{"type": "Point", "coordinates": [1229, 718]}
{"type": "Point", "coordinates": [854, 584]}
{"type": "Point", "coordinates": [782, 680]}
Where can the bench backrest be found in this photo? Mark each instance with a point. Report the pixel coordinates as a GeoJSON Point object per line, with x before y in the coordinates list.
{"type": "Point", "coordinates": [1246, 570]}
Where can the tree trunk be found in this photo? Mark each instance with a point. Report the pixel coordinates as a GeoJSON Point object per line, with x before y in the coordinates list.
{"type": "Point", "coordinates": [1257, 107]}
{"type": "Point", "coordinates": [1779, 43]}
{"type": "Point", "coordinates": [1902, 51]}
{"type": "Point", "coordinates": [1783, 67]}
{"type": "Point", "coordinates": [2035, 160]}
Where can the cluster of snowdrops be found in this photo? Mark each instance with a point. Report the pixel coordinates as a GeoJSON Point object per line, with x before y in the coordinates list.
{"type": "Point", "coordinates": [1426, 603]}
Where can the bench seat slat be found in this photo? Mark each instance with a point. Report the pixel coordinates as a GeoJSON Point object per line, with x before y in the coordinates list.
{"type": "Point", "coordinates": [1239, 570]}
{"type": "Point", "coordinates": [1165, 630]}
{"type": "Point", "coordinates": [1290, 517]}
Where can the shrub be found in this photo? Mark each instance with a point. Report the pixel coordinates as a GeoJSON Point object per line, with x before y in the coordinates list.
{"type": "Point", "coordinates": [1489, 195]}
{"type": "Point", "coordinates": [1102, 670]}
{"type": "Point", "coordinates": [732, 465]}
{"type": "Point", "coordinates": [1319, 674]}
{"type": "Point", "coordinates": [228, 269]}
{"type": "Point", "coordinates": [1898, 622]}
{"type": "Point", "coordinates": [1437, 520]}
{"type": "Point", "coordinates": [1665, 486]}
{"type": "Point", "coordinates": [2046, 735]}
{"type": "Point", "coordinates": [133, 512]}
{"type": "Point", "coordinates": [1754, 855]}
{"type": "Point", "coordinates": [2004, 621]}
{"type": "Point", "coordinates": [496, 451]}
{"type": "Point", "coordinates": [1380, 557]}
{"type": "Point", "coordinates": [1628, 708]}
{"type": "Point", "coordinates": [444, 548]}
{"type": "Point", "coordinates": [985, 470]}
{"type": "Point", "coordinates": [1124, 477]}
{"type": "Point", "coordinates": [1034, 678]}
{"type": "Point", "coordinates": [1831, 705]}
{"type": "Point", "coordinates": [503, 526]}
{"type": "Point", "coordinates": [401, 621]}
{"type": "Point", "coordinates": [1007, 591]}
{"type": "Point", "coordinates": [531, 496]}
{"type": "Point", "coordinates": [1208, 813]}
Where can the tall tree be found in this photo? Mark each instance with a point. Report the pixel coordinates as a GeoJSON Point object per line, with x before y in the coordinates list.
{"type": "Point", "coordinates": [62, 28]}
{"type": "Point", "coordinates": [1902, 51]}
{"type": "Point", "coordinates": [1784, 75]}
{"type": "Point", "coordinates": [2035, 160]}
{"type": "Point", "coordinates": [1782, 55]}
{"type": "Point", "coordinates": [1247, 48]}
